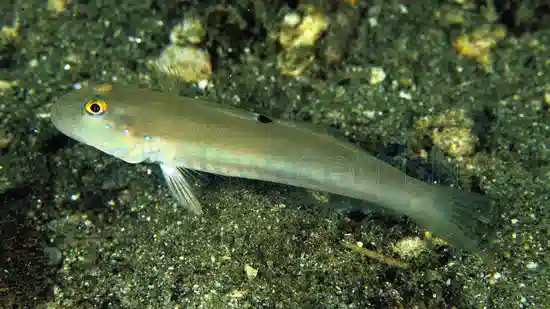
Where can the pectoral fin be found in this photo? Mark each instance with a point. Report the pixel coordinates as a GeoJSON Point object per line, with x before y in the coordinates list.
{"type": "Point", "coordinates": [177, 179]}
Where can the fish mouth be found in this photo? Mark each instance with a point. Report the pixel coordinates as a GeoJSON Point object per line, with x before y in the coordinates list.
{"type": "Point", "coordinates": [57, 121]}
{"type": "Point", "coordinates": [62, 121]}
{"type": "Point", "coordinates": [56, 113]}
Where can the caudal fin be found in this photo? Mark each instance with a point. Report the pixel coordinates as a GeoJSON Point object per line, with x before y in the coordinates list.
{"type": "Point", "coordinates": [464, 219]}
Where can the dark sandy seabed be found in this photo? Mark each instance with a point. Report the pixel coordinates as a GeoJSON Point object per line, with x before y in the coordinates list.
{"type": "Point", "coordinates": [81, 229]}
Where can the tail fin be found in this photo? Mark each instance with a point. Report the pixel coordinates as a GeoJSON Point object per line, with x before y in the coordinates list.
{"type": "Point", "coordinates": [461, 218]}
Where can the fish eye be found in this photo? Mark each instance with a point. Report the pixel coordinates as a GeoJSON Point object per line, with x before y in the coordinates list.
{"type": "Point", "coordinates": [95, 107]}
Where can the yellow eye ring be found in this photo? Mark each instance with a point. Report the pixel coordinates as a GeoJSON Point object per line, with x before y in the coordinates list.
{"type": "Point", "coordinates": [95, 107]}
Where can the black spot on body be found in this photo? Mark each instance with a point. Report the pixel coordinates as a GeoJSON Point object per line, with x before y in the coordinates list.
{"type": "Point", "coordinates": [263, 118]}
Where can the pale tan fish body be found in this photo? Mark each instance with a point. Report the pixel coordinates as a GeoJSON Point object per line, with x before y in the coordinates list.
{"type": "Point", "coordinates": [178, 133]}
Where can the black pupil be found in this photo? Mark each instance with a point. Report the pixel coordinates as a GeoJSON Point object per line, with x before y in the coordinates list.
{"type": "Point", "coordinates": [95, 108]}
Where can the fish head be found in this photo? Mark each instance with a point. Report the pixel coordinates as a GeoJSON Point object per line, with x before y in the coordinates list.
{"type": "Point", "coordinates": [92, 115]}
